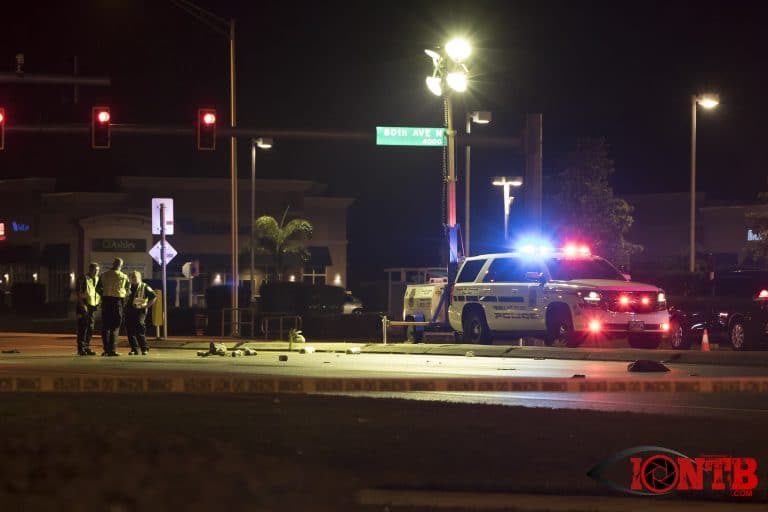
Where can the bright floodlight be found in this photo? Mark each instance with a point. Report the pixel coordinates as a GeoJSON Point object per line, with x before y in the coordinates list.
{"type": "Point", "coordinates": [433, 84]}
{"type": "Point", "coordinates": [457, 81]}
{"type": "Point", "coordinates": [458, 49]}
{"type": "Point", "coordinates": [516, 181]}
{"type": "Point", "coordinates": [434, 56]}
{"type": "Point", "coordinates": [264, 142]}
{"type": "Point", "coordinates": [708, 101]}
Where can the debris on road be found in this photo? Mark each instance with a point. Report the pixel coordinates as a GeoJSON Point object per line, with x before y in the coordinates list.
{"type": "Point", "coordinates": [646, 365]}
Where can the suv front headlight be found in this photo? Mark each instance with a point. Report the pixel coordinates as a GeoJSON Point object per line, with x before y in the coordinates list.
{"type": "Point", "coordinates": [591, 298]}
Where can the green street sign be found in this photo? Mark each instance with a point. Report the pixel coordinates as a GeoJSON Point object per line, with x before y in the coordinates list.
{"type": "Point", "coordinates": [410, 136]}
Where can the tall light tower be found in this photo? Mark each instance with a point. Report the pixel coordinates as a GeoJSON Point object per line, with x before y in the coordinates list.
{"type": "Point", "coordinates": [707, 101]}
{"type": "Point", "coordinates": [449, 75]}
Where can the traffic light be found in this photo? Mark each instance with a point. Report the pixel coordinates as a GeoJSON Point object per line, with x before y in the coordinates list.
{"type": "Point", "coordinates": [101, 124]}
{"type": "Point", "coordinates": [206, 129]}
{"type": "Point", "coordinates": [2, 128]}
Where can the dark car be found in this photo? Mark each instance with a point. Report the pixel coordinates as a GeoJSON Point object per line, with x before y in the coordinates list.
{"type": "Point", "coordinates": [732, 307]}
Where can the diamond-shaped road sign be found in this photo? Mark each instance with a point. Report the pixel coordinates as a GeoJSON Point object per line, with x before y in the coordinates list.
{"type": "Point", "coordinates": [170, 252]}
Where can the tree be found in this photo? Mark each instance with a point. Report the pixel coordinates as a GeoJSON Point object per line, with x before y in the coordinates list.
{"type": "Point", "coordinates": [281, 239]}
{"type": "Point", "coordinates": [586, 206]}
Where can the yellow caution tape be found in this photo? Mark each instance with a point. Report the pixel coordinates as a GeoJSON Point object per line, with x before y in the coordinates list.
{"type": "Point", "coordinates": [269, 385]}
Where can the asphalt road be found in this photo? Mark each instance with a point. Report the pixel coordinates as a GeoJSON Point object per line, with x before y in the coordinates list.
{"type": "Point", "coordinates": [53, 354]}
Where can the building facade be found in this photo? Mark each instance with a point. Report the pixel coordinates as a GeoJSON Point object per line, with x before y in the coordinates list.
{"type": "Point", "coordinates": [662, 227]}
{"type": "Point", "coordinates": [50, 235]}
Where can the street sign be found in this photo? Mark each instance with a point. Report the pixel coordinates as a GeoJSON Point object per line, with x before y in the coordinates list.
{"type": "Point", "coordinates": [410, 136]}
{"type": "Point", "coordinates": [170, 253]}
{"type": "Point", "coordinates": [156, 202]}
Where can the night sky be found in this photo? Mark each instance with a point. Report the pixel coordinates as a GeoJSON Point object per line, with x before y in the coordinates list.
{"type": "Point", "coordinates": [620, 70]}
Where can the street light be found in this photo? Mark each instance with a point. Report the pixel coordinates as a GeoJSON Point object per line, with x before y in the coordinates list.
{"type": "Point", "coordinates": [507, 183]}
{"type": "Point", "coordinates": [449, 74]}
{"type": "Point", "coordinates": [261, 143]}
{"type": "Point", "coordinates": [479, 118]}
{"type": "Point", "coordinates": [707, 101]}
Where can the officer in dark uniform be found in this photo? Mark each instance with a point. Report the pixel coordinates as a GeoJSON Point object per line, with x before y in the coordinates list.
{"type": "Point", "coordinates": [140, 299]}
{"type": "Point", "coordinates": [113, 287]}
{"type": "Point", "coordinates": [87, 303]}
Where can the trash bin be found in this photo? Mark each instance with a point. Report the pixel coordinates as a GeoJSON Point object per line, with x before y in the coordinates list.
{"type": "Point", "coordinates": [201, 323]}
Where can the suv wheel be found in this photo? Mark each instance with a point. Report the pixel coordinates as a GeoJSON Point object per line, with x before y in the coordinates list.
{"type": "Point", "coordinates": [677, 337]}
{"type": "Point", "coordinates": [560, 332]}
{"type": "Point", "coordinates": [647, 341]}
{"type": "Point", "coordinates": [737, 335]}
{"type": "Point", "coordinates": [476, 328]}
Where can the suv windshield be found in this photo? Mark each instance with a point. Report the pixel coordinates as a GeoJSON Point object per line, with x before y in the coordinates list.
{"type": "Point", "coordinates": [567, 269]}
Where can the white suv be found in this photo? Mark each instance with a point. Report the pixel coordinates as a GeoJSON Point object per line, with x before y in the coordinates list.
{"type": "Point", "coordinates": [563, 297]}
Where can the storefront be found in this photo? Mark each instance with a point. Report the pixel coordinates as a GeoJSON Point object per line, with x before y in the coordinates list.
{"type": "Point", "coordinates": [49, 235]}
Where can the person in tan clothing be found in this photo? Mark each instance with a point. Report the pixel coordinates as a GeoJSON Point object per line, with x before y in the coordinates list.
{"type": "Point", "coordinates": [113, 286]}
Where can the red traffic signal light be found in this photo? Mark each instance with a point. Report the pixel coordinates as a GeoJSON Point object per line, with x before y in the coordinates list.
{"type": "Point", "coordinates": [2, 128]}
{"type": "Point", "coordinates": [206, 129]}
{"type": "Point", "coordinates": [101, 133]}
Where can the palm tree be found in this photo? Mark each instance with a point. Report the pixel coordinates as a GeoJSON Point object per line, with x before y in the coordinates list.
{"type": "Point", "coordinates": [279, 240]}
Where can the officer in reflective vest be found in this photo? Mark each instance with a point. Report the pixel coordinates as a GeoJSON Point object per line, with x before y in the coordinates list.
{"type": "Point", "coordinates": [87, 303]}
{"type": "Point", "coordinates": [140, 300]}
{"type": "Point", "coordinates": [113, 286]}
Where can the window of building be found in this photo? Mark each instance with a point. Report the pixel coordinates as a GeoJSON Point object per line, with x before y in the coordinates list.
{"type": "Point", "coordinates": [313, 275]}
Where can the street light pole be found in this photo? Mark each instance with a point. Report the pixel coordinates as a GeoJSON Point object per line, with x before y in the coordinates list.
{"type": "Point", "coordinates": [708, 101]}
{"type": "Point", "coordinates": [479, 118]}
{"type": "Point", "coordinates": [692, 234]}
{"type": "Point", "coordinates": [233, 176]}
{"type": "Point", "coordinates": [253, 215]}
{"type": "Point", "coordinates": [508, 198]}
{"type": "Point", "coordinates": [264, 143]}
{"type": "Point", "coordinates": [467, 162]}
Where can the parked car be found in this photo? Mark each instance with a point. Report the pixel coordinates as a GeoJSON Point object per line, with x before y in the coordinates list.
{"type": "Point", "coordinates": [733, 308]}
{"type": "Point", "coordinates": [352, 305]}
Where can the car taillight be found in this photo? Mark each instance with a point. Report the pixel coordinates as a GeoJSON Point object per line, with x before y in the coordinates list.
{"type": "Point", "coordinates": [594, 326]}
{"type": "Point", "coordinates": [665, 327]}
{"type": "Point", "coordinates": [645, 301]}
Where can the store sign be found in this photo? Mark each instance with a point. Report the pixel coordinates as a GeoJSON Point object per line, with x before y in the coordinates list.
{"type": "Point", "coordinates": [20, 227]}
{"type": "Point", "coordinates": [119, 245]}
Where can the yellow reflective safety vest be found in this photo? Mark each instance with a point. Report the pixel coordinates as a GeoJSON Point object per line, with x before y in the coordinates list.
{"type": "Point", "coordinates": [89, 291]}
{"type": "Point", "coordinates": [114, 283]}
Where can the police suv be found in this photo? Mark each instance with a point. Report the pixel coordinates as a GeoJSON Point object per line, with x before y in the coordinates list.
{"type": "Point", "coordinates": [563, 296]}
